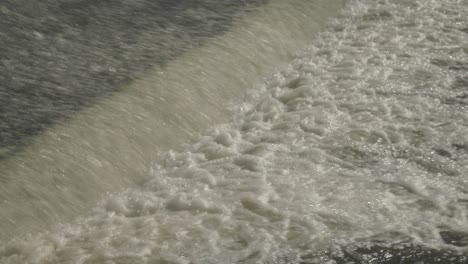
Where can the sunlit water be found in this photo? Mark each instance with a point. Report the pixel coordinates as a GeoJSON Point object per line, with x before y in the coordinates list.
{"type": "Point", "coordinates": [361, 139]}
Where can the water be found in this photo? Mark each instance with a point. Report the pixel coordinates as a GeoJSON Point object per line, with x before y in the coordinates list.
{"type": "Point", "coordinates": [355, 152]}
{"type": "Point", "coordinates": [58, 59]}
{"type": "Point", "coordinates": [59, 56]}
{"type": "Point", "coordinates": [65, 170]}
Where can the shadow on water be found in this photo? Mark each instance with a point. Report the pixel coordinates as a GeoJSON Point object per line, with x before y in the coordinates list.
{"type": "Point", "coordinates": [58, 56]}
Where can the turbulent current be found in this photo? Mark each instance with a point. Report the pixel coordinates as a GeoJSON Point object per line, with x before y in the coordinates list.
{"type": "Point", "coordinates": [354, 152]}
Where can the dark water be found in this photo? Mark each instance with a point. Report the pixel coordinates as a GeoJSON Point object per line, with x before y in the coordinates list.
{"type": "Point", "coordinates": [384, 254]}
{"type": "Point", "coordinates": [58, 56]}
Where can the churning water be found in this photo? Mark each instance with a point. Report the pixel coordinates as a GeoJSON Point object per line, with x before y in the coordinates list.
{"type": "Point", "coordinates": [354, 152]}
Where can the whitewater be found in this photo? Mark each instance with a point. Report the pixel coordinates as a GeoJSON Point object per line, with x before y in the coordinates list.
{"type": "Point", "coordinates": [361, 140]}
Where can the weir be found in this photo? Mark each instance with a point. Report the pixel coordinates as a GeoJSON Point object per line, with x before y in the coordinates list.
{"type": "Point", "coordinates": [112, 145]}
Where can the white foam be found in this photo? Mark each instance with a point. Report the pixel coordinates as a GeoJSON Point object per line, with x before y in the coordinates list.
{"type": "Point", "coordinates": [362, 137]}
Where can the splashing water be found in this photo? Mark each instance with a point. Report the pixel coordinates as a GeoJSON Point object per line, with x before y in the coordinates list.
{"type": "Point", "coordinates": [362, 138]}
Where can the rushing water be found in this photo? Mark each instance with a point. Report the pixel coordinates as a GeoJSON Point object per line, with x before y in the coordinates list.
{"type": "Point", "coordinates": [65, 170]}
{"type": "Point", "coordinates": [59, 56]}
{"type": "Point", "coordinates": [355, 152]}
{"type": "Point", "coordinates": [62, 56]}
